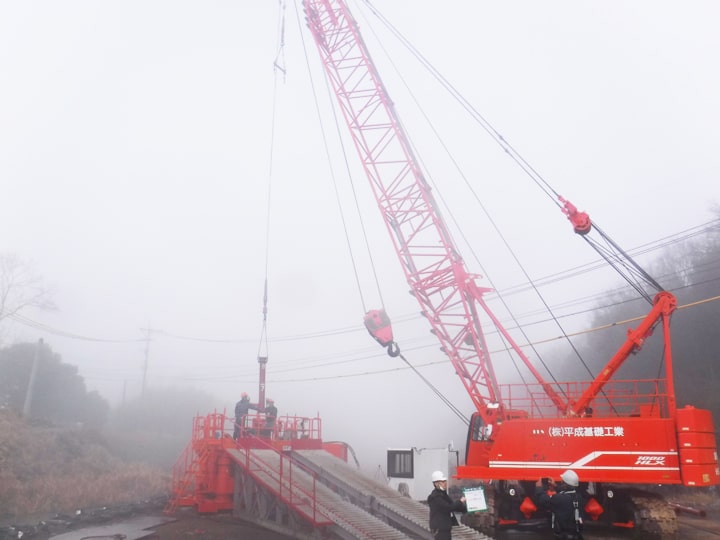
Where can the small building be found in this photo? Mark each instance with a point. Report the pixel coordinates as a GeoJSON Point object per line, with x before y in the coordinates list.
{"type": "Point", "coordinates": [409, 469]}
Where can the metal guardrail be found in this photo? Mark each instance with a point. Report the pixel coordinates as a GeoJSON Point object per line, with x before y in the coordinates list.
{"type": "Point", "coordinates": [633, 397]}
{"type": "Point", "coordinates": [278, 477]}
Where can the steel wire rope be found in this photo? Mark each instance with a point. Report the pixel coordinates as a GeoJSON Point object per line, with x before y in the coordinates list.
{"type": "Point", "coordinates": [609, 252]}
{"type": "Point", "coordinates": [492, 221]}
{"type": "Point", "coordinates": [278, 66]}
{"type": "Point", "coordinates": [437, 392]}
{"type": "Point", "coordinates": [484, 123]}
{"type": "Point", "coordinates": [333, 175]}
{"type": "Point", "coordinates": [697, 271]}
{"type": "Point", "coordinates": [599, 263]}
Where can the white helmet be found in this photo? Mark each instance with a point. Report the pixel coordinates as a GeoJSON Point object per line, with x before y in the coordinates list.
{"type": "Point", "coordinates": [438, 476]}
{"type": "Point", "coordinates": [571, 478]}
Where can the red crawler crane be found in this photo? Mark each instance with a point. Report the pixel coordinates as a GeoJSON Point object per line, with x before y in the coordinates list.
{"type": "Point", "coordinates": [628, 432]}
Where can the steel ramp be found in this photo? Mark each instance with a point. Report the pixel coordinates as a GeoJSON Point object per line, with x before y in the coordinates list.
{"type": "Point", "coordinates": [409, 514]}
{"type": "Point", "coordinates": [292, 485]}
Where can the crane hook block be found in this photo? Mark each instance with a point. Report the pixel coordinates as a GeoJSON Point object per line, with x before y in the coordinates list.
{"type": "Point", "coordinates": [378, 324]}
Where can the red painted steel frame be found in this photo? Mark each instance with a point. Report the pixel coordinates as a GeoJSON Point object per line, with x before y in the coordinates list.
{"type": "Point", "coordinates": [202, 475]}
{"type": "Point", "coordinates": [664, 305]}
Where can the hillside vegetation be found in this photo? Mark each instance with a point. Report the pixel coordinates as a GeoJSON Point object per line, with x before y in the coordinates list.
{"type": "Point", "coordinates": [46, 470]}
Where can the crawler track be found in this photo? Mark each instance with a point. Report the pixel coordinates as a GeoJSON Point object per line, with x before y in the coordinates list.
{"type": "Point", "coordinates": [649, 513]}
{"type": "Point", "coordinates": [653, 515]}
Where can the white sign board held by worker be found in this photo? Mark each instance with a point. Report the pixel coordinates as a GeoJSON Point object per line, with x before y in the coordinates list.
{"type": "Point", "coordinates": [475, 499]}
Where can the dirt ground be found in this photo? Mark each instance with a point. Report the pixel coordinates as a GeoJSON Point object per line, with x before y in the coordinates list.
{"type": "Point", "coordinates": [195, 527]}
{"type": "Point", "coordinates": [211, 528]}
{"type": "Point", "coordinates": [221, 527]}
{"type": "Point", "coordinates": [188, 525]}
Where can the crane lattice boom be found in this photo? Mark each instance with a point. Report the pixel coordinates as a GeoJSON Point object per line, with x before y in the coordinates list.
{"type": "Point", "coordinates": [448, 294]}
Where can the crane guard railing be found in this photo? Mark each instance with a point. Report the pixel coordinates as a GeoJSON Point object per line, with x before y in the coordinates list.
{"type": "Point", "coordinates": [286, 427]}
{"type": "Point", "coordinates": [620, 398]}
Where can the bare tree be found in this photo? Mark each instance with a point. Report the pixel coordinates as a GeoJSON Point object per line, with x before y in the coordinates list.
{"type": "Point", "coordinates": [21, 287]}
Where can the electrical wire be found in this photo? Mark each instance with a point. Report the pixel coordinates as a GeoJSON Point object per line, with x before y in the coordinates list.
{"type": "Point", "coordinates": [226, 376]}
{"type": "Point", "coordinates": [62, 333]}
{"type": "Point", "coordinates": [553, 278]}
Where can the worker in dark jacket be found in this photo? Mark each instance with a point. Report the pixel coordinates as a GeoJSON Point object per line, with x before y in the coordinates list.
{"type": "Point", "coordinates": [242, 407]}
{"type": "Point", "coordinates": [565, 503]}
{"type": "Point", "coordinates": [270, 417]}
{"type": "Point", "coordinates": [442, 507]}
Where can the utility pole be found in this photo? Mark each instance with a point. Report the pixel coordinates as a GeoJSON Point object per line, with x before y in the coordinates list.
{"type": "Point", "coordinates": [31, 384]}
{"type": "Point", "coordinates": [148, 337]}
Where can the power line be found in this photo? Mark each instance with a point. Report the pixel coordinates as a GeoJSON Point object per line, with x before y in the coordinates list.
{"type": "Point", "coordinates": [62, 333]}
{"type": "Point", "coordinates": [226, 375]}
{"type": "Point", "coordinates": [551, 278]}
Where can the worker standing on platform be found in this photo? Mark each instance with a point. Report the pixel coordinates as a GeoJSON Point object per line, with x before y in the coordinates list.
{"type": "Point", "coordinates": [270, 417]}
{"type": "Point", "coordinates": [443, 508]}
{"type": "Point", "coordinates": [565, 503]}
{"type": "Point", "coordinates": [242, 407]}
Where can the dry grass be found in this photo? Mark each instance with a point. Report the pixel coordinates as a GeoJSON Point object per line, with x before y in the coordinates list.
{"type": "Point", "coordinates": [44, 470]}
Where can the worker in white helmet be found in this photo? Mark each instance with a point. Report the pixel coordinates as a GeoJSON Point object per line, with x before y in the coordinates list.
{"type": "Point", "coordinates": [566, 504]}
{"type": "Point", "coordinates": [242, 408]}
{"type": "Point", "coordinates": [442, 508]}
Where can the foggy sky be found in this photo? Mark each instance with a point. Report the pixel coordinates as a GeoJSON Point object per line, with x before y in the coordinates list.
{"type": "Point", "coordinates": [136, 164]}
